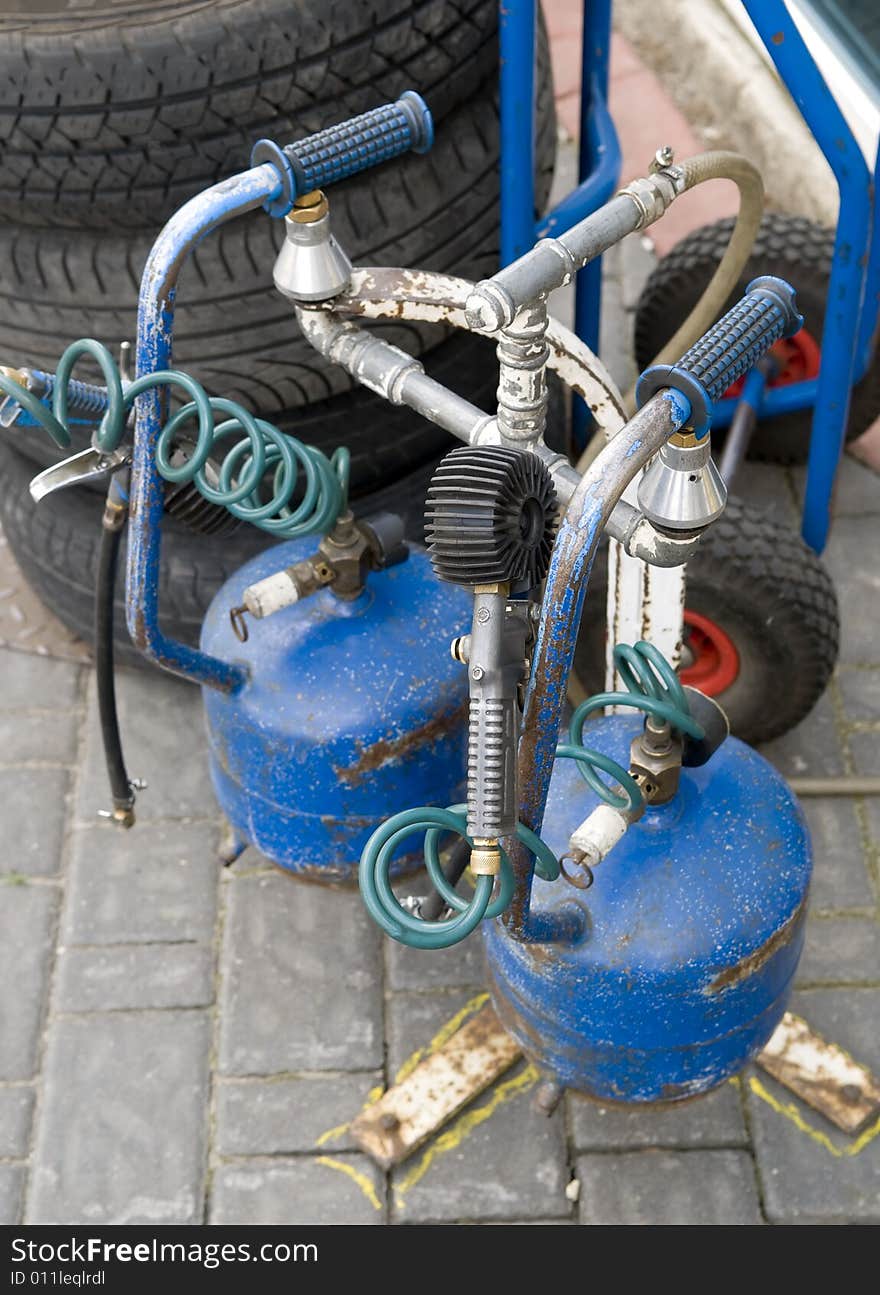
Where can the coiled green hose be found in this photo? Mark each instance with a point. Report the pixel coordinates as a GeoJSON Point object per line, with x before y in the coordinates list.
{"type": "Point", "coordinates": [242, 469]}
{"type": "Point", "coordinates": [653, 687]}
{"type": "Point", "coordinates": [383, 905]}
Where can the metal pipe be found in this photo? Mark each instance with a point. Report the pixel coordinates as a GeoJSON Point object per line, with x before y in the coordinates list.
{"type": "Point", "coordinates": [581, 528]}
{"type": "Point", "coordinates": [845, 785]}
{"type": "Point", "coordinates": [222, 202]}
{"type": "Point", "coordinates": [522, 376]}
{"type": "Point", "coordinates": [400, 379]}
{"type": "Point", "coordinates": [550, 264]}
{"type": "Point", "coordinates": [736, 443]}
{"type": "Point", "coordinates": [391, 373]}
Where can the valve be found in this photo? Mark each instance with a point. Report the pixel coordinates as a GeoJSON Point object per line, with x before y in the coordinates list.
{"type": "Point", "coordinates": [344, 558]}
{"type": "Point", "coordinates": [490, 523]}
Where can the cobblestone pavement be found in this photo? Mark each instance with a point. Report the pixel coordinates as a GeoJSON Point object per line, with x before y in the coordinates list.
{"type": "Point", "coordinates": [184, 1043]}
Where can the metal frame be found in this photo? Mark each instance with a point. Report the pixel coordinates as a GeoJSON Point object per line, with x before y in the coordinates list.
{"type": "Point", "coordinates": [599, 157]}
{"type": "Point", "coordinates": [854, 290]}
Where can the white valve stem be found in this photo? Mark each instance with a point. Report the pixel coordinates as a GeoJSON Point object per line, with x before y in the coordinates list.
{"type": "Point", "coordinates": [270, 595]}
{"type": "Point", "coordinates": [599, 833]}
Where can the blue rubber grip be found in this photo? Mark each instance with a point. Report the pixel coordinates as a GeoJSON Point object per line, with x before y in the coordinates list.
{"type": "Point", "coordinates": [362, 142]}
{"type": "Point", "coordinates": [733, 346]}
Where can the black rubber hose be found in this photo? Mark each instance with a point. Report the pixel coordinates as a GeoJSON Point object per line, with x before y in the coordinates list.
{"type": "Point", "coordinates": [434, 903]}
{"type": "Point", "coordinates": [113, 523]}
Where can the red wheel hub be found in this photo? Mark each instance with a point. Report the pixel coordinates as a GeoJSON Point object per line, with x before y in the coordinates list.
{"type": "Point", "coordinates": [715, 660]}
{"type": "Point", "coordinates": [797, 358]}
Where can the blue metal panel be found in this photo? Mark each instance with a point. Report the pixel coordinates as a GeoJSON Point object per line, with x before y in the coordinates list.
{"type": "Point", "coordinates": [684, 948]}
{"type": "Point", "coordinates": [352, 710]}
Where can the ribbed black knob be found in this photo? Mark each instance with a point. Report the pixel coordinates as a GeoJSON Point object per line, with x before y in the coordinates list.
{"type": "Point", "coordinates": [490, 517]}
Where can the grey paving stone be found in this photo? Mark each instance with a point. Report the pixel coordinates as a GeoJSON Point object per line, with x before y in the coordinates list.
{"type": "Point", "coordinates": [667, 1187]}
{"type": "Point", "coordinates": [852, 564]}
{"type": "Point", "coordinates": [161, 718]}
{"type": "Point", "coordinates": [11, 1193]}
{"type": "Point", "coordinates": [860, 692]}
{"type": "Point", "coordinates": [28, 680]}
{"type": "Point", "coordinates": [840, 950]}
{"type": "Point", "coordinates": [16, 1112]}
{"type": "Point", "coordinates": [298, 1192]}
{"type": "Point", "coordinates": [461, 965]}
{"type": "Point", "coordinates": [30, 738]}
{"type": "Point", "coordinates": [812, 748]}
{"type": "Point", "coordinates": [413, 1019]}
{"type": "Point", "coordinates": [302, 979]}
{"type": "Point", "coordinates": [501, 1160]}
{"type": "Point", "coordinates": [33, 807]}
{"type": "Point", "coordinates": [27, 916]}
{"type": "Point", "coordinates": [135, 976]}
{"type": "Point", "coordinates": [872, 814]}
{"type": "Point", "coordinates": [265, 1117]}
{"type": "Point", "coordinates": [840, 868]}
{"type": "Point", "coordinates": [856, 490]}
{"type": "Point", "coordinates": [813, 1175]}
{"type": "Point", "coordinates": [122, 1124]}
{"type": "Point", "coordinates": [715, 1120]}
{"type": "Point", "coordinates": [865, 749]}
{"type": "Point", "coordinates": [157, 882]}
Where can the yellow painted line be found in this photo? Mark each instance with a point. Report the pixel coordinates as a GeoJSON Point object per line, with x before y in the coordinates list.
{"type": "Point", "coordinates": [791, 1112]}
{"type": "Point", "coordinates": [443, 1035]}
{"type": "Point", "coordinates": [455, 1134]}
{"type": "Point", "coordinates": [329, 1134]}
{"type": "Point", "coordinates": [356, 1176]}
{"type": "Point", "coordinates": [453, 1137]}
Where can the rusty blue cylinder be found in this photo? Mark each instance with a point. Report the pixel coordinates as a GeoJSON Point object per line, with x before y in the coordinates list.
{"type": "Point", "coordinates": [673, 969]}
{"type": "Point", "coordinates": [351, 711]}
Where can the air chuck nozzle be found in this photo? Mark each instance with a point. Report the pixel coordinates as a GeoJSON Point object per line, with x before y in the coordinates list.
{"type": "Point", "coordinates": [490, 521]}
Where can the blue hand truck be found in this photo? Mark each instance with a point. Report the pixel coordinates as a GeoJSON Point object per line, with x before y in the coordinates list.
{"type": "Point", "coordinates": [849, 333]}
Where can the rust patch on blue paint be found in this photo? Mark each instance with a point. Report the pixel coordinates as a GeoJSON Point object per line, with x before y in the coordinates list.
{"type": "Point", "coordinates": [751, 964]}
{"type": "Point", "coordinates": [391, 750]}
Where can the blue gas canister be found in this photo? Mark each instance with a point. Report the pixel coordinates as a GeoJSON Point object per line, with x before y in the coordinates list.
{"type": "Point", "coordinates": [674, 968]}
{"type": "Point", "coordinates": [350, 709]}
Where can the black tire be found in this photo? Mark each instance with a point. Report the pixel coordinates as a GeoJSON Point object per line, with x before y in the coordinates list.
{"type": "Point", "coordinates": [233, 330]}
{"type": "Point", "coordinates": [57, 545]}
{"type": "Point", "coordinates": [791, 247]}
{"type": "Point", "coordinates": [115, 114]}
{"type": "Point", "coordinates": [759, 582]}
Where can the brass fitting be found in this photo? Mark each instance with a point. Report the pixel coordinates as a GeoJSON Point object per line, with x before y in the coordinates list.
{"type": "Point", "coordinates": [684, 440]}
{"type": "Point", "coordinates": [309, 207]}
{"type": "Point", "coordinates": [485, 857]}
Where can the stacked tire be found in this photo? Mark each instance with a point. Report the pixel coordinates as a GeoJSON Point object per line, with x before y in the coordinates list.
{"type": "Point", "coordinates": [114, 114]}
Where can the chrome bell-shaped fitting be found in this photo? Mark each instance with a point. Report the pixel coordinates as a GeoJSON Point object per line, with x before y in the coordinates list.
{"type": "Point", "coordinates": [311, 265]}
{"type": "Point", "coordinates": [682, 490]}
